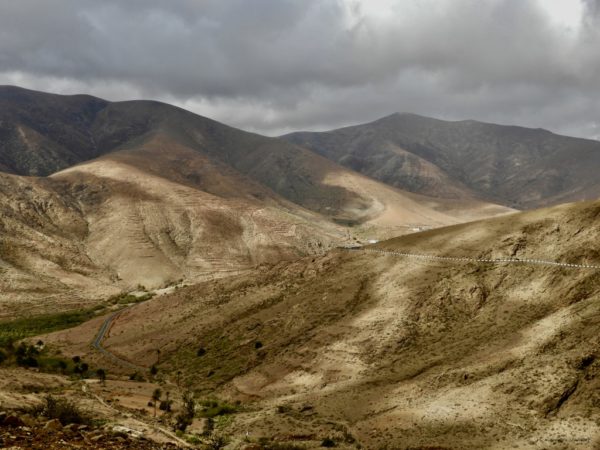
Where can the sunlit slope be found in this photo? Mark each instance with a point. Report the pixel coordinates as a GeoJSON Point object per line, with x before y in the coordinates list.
{"type": "Point", "coordinates": [43, 259]}
{"type": "Point", "coordinates": [400, 351]}
{"type": "Point", "coordinates": [163, 212]}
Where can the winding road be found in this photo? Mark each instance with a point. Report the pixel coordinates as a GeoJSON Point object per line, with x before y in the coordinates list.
{"type": "Point", "coordinates": [539, 262]}
{"type": "Point", "coordinates": [97, 342]}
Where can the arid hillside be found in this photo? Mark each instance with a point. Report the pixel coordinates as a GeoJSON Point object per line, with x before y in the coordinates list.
{"type": "Point", "coordinates": [45, 133]}
{"type": "Point", "coordinates": [44, 264]}
{"type": "Point", "coordinates": [385, 350]}
{"type": "Point", "coordinates": [519, 167]}
{"type": "Point", "coordinates": [108, 226]}
{"type": "Point", "coordinates": [143, 193]}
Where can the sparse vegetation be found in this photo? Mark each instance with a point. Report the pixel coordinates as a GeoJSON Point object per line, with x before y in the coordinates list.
{"type": "Point", "coordinates": [187, 413]}
{"type": "Point", "coordinates": [136, 376]}
{"type": "Point", "coordinates": [267, 445]}
{"type": "Point", "coordinates": [15, 330]}
{"type": "Point", "coordinates": [328, 442]}
{"type": "Point", "coordinates": [101, 374]}
{"type": "Point", "coordinates": [62, 409]}
{"type": "Point", "coordinates": [156, 398]}
{"type": "Point", "coordinates": [216, 442]}
{"type": "Point", "coordinates": [214, 408]}
{"type": "Point", "coordinates": [128, 298]}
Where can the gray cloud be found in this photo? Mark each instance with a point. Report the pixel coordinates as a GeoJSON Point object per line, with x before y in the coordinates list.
{"type": "Point", "coordinates": [281, 65]}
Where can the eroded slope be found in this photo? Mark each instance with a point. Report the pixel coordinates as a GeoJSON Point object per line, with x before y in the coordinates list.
{"type": "Point", "coordinates": [397, 351]}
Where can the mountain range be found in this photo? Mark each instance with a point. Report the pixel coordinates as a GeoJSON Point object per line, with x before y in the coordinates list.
{"type": "Point", "coordinates": [522, 168]}
{"type": "Point", "coordinates": [102, 196]}
{"type": "Point", "coordinates": [368, 287]}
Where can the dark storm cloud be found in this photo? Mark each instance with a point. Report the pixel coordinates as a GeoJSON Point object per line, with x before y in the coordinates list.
{"type": "Point", "coordinates": [279, 65]}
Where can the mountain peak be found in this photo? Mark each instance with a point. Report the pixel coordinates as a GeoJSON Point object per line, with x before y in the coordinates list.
{"type": "Point", "coordinates": [467, 157]}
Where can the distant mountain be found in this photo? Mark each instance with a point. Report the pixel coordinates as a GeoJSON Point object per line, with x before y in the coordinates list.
{"type": "Point", "coordinates": [514, 166]}
{"type": "Point", "coordinates": [44, 133]}
{"type": "Point", "coordinates": [96, 197]}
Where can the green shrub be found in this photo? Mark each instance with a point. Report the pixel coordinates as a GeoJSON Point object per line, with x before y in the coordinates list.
{"type": "Point", "coordinates": [187, 413]}
{"type": "Point", "coordinates": [214, 408]}
{"type": "Point", "coordinates": [328, 442]}
{"type": "Point", "coordinates": [62, 409]}
{"type": "Point", "coordinates": [165, 405]}
{"type": "Point", "coordinates": [136, 376]}
{"type": "Point", "coordinates": [125, 298]}
{"type": "Point", "coordinates": [15, 330]}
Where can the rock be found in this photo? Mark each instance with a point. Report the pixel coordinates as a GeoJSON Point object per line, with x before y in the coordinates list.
{"type": "Point", "coordinates": [53, 425]}
{"type": "Point", "coordinates": [96, 438]}
{"type": "Point", "coordinates": [29, 420]}
{"type": "Point", "coordinates": [124, 431]}
{"type": "Point", "coordinates": [306, 407]}
{"type": "Point", "coordinates": [72, 427]}
{"type": "Point", "coordinates": [3, 415]}
{"type": "Point", "coordinates": [12, 421]}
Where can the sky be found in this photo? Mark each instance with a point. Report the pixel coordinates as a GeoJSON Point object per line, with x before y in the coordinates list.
{"type": "Point", "coordinates": [275, 66]}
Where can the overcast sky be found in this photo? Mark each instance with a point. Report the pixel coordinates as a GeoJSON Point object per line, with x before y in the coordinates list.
{"type": "Point", "coordinates": [274, 66]}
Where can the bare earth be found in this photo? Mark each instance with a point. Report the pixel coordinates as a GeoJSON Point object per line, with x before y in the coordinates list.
{"type": "Point", "coordinates": [380, 350]}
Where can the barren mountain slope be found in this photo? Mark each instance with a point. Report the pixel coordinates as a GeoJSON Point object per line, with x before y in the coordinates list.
{"type": "Point", "coordinates": [514, 166]}
{"type": "Point", "coordinates": [173, 211]}
{"type": "Point", "coordinates": [43, 133]}
{"type": "Point", "coordinates": [43, 260]}
{"type": "Point", "coordinates": [150, 194]}
{"type": "Point", "coordinates": [160, 210]}
{"type": "Point", "coordinates": [396, 351]}
{"type": "Point", "coordinates": [164, 212]}
{"type": "Point", "coordinates": [114, 223]}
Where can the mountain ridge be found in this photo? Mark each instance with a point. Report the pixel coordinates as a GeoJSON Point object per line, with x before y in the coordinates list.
{"type": "Point", "coordinates": [164, 194]}
{"type": "Point", "coordinates": [511, 165]}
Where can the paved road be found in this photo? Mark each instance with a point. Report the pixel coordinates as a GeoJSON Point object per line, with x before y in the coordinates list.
{"type": "Point", "coordinates": [97, 342]}
{"type": "Point", "coordinates": [539, 262]}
